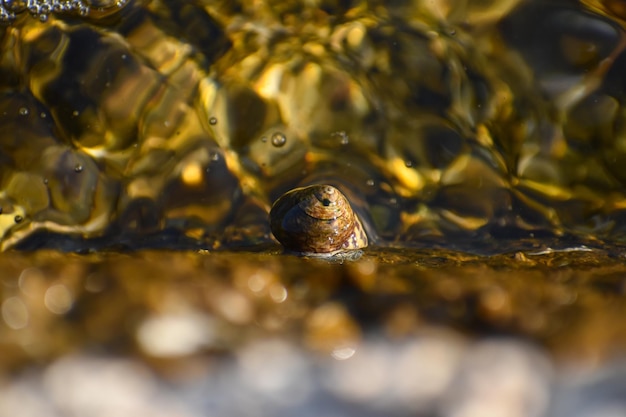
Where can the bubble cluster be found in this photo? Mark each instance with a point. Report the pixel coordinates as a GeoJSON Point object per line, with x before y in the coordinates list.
{"type": "Point", "coordinates": [42, 9]}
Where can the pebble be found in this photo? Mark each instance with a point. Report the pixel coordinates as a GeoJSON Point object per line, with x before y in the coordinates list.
{"type": "Point", "coordinates": [438, 373]}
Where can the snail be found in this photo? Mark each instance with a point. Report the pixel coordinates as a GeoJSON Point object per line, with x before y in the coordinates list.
{"type": "Point", "coordinates": [316, 220]}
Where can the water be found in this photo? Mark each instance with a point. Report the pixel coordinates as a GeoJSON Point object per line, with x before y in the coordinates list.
{"type": "Point", "coordinates": [481, 144]}
{"type": "Point", "coordinates": [492, 132]}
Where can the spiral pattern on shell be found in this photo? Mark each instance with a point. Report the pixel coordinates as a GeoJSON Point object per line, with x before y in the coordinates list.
{"type": "Point", "coordinates": [317, 220]}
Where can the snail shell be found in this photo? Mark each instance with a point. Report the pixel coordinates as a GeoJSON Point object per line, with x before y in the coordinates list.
{"type": "Point", "coordinates": [316, 220]}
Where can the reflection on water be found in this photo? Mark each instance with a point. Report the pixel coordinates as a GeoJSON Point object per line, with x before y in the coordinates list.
{"type": "Point", "coordinates": [176, 124]}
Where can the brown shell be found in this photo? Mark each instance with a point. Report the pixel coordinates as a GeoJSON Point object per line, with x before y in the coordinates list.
{"type": "Point", "coordinates": [316, 219]}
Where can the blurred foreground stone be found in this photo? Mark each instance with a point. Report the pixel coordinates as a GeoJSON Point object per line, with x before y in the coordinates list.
{"type": "Point", "coordinates": [398, 332]}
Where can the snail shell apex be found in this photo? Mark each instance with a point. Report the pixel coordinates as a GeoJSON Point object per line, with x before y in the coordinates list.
{"type": "Point", "coordinates": [316, 220]}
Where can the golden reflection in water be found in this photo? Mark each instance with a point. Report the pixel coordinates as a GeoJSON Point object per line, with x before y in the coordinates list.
{"type": "Point", "coordinates": [163, 123]}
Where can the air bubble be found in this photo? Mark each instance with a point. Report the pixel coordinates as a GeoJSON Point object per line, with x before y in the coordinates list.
{"type": "Point", "coordinates": [408, 163]}
{"type": "Point", "coordinates": [213, 121]}
{"type": "Point", "coordinates": [18, 218]}
{"type": "Point", "coordinates": [45, 181]}
{"type": "Point", "coordinates": [42, 115]}
{"type": "Point", "coordinates": [75, 113]}
{"type": "Point", "coordinates": [78, 168]}
{"type": "Point", "coordinates": [279, 139]}
{"type": "Point", "coordinates": [214, 155]}
{"type": "Point", "coordinates": [263, 139]}
{"type": "Point", "coordinates": [369, 183]}
{"type": "Point", "coordinates": [23, 111]}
